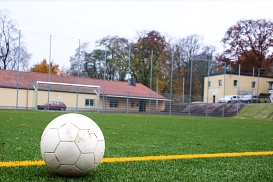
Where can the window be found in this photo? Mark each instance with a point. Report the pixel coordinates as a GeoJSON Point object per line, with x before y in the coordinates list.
{"type": "Point", "coordinates": [220, 83]}
{"type": "Point", "coordinates": [270, 86]}
{"type": "Point", "coordinates": [235, 83]}
{"type": "Point", "coordinates": [253, 84]}
{"type": "Point", "coordinates": [89, 102]}
{"type": "Point", "coordinates": [113, 103]}
{"type": "Point", "coordinates": [132, 104]}
{"type": "Point", "coordinates": [209, 84]}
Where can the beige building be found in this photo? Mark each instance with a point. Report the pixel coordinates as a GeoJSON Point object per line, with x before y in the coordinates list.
{"type": "Point", "coordinates": [217, 85]}
{"type": "Point", "coordinates": [21, 90]}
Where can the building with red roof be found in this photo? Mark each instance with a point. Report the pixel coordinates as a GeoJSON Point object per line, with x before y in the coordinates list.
{"type": "Point", "coordinates": [26, 90]}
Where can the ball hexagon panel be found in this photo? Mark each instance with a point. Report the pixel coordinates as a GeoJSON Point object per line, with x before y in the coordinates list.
{"type": "Point", "coordinates": [99, 152]}
{"type": "Point", "coordinates": [57, 122]}
{"type": "Point", "coordinates": [67, 153]}
{"type": "Point", "coordinates": [68, 132]}
{"type": "Point", "coordinates": [86, 141]}
{"type": "Point", "coordinates": [50, 140]}
{"type": "Point", "coordinates": [69, 170]}
{"type": "Point", "coordinates": [51, 161]}
{"type": "Point", "coordinates": [85, 161]}
{"type": "Point", "coordinates": [81, 121]}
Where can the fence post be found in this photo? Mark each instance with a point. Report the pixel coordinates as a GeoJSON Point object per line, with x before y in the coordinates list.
{"type": "Point", "coordinates": [18, 62]}
{"type": "Point", "coordinates": [171, 86]}
{"type": "Point", "coordinates": [151, 77]}
{"type": "Point", "coordinates": [48, 92]}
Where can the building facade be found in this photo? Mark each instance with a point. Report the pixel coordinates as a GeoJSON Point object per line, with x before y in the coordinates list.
{"type": "Point", "coordinates": [20, 90]}
{"type": "Point", "coordinates": [217, 85]}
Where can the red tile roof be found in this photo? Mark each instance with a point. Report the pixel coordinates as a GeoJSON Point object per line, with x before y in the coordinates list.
{"type": "Point", "coordinates": [8, 78]}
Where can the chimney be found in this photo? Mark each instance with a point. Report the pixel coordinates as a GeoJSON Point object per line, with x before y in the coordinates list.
{"type": "Point", "coordinates": [133, 81]}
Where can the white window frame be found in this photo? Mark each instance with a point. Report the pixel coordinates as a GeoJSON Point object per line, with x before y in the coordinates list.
{"type": "Point", "coordinates": [253, 84]}
{"type": "Point", "coordinates": [220, 83]}
{"type": "Point", "coordinates": [113, 104]}
{"type": "Point", "coordinates": [209, 84]}
{"type": "Point", "coordinates": [89, 102]}
{"type": "Point", "coordinates": [235, 81]}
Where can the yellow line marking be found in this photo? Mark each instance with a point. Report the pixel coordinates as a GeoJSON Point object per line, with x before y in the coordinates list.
{"type": "Point", "coordinates": [189, 156]}
{"type": "Point", "coordinates": [21, 163]}
{"type": "Point", "coordinates": [146, 158]}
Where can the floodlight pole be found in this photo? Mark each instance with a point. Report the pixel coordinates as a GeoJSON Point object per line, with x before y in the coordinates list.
{"type": "Point", "coordinates": [207, 82]}
{"type": "Point", "coordinates": [128, 85]}
{"type": "Point", "coordinates": [251, 86]}
{"type": "Point", "coordinates": [79, 56]}
{"type": "Point", "coordinates": [151, 76]}
{"type": "Point", "coordinates": [183, 80]}
{"type": "Point", "coordinates": [48, 92]}
{"type": "Point", "coordinates": [207, 90]}
{"type": "Point", "coordinates": [36, 91]}
{"type": "Point", "coordinates": [18, 62]}
{"type": "Point", "coordinates": [171, 87]}
{"type": "Point", "coordinates": [104, 81]}
{"type": "Point", "coordinates": [259, 80]}
{"type": "Point", "coordinates": [189, 113]}
{"type": "Point", "coordinates": [238, 92]}
{"type": "Point", "coordinates": [225, 71]}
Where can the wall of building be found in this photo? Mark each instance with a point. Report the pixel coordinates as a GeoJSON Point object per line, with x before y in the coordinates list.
{"type": "Point", "coordinates": [27, 100]}
{"type": "Point", "coordinates": [244, 86]}
{"type": "Point", "coordinates": [9, 98]}
{"type": "Point", "coordinates": [134, 104]}
{"type": "Point", "coordinates": [72, 100]}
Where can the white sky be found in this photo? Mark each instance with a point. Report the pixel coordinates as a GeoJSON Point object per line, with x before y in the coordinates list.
{"type": "Point", "coordinates": [90, 20]}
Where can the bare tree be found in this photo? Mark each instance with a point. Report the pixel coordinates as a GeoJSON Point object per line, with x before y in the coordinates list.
{"type": "Point", "coordinates": [117, 56]}
{"type": "Point", "coordinates": [249, 43]}
{"type": "Point", "coordinates": [149, 52]}
{"type": "Point", "coordinates": [9, 44]}
{"type": "Point", "coordinates": [77, 61]}
{"type": "Point", "coordinates": [185, 49]}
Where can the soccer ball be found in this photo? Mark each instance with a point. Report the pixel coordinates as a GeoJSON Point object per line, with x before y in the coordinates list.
{"type": "Point", "coordinates": [72, 145]}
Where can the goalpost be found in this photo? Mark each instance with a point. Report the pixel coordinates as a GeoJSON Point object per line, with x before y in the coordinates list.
{"type": "Point", "coordinates": [76, 97]}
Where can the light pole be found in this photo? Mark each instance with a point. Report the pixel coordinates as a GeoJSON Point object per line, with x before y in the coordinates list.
{"type": "Point", "coordinates": [198, 59]}
{"type": "Point", "coordinates": [156, 69]}
{"type": "Point", "coordinates": [259, 80]}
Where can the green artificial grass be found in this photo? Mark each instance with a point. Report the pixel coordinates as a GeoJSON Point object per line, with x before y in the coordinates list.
{"type": "Point", "coordinates": [254, 169]}
{"type": "Point", "coordinates": [257, 110]}
{"type": "Point", "coordinates": [131, 135]}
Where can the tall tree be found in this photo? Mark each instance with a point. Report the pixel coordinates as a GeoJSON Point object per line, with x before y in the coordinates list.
{"type": "Point", "coordinates": [78, 61]}
{"type": "Point", "coordinates": [117, 56]}
{"type": "Point", "coordinates": [9, 44]}
{"type": "Point", "coordinates": [43, 67]}
{"type": "Point", "coordinates": [249, 43]}
{"type": "Point", "coordinates": [149, 51]}
{"type": "Point", "coordinates": [185, 51]}
{"type": "Point", "coordinates": [94, 63]}
{"type": "Point", "coordinates": [86, 63]}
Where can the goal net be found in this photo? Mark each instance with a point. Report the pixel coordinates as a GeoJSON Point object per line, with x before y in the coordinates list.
{"type": "Point", "coordinates": [64, 96]}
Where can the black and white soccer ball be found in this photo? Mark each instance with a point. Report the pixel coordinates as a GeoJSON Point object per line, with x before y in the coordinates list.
{"type": "Point", "coordinates": [72, 145]}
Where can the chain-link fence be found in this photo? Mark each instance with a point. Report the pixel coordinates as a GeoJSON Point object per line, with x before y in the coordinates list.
{"type": "Point", "coordinates": [79, 98]}
{"type": "Point", "coordinates": [190, 93]}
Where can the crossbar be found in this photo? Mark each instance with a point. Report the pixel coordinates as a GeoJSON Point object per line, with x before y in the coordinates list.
{"type": "Point", "coordinates": [68, 84]}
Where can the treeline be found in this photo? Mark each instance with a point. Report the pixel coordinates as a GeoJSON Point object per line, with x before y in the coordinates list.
{"type": "Point", "coordinates": [152, 58]}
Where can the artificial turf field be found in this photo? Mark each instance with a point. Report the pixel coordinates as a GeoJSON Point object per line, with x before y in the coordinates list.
{"type": "Point", "coordinates": [132, 135]}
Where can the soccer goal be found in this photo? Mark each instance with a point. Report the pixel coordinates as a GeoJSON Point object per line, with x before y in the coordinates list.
{"type": "Point", "coordinates": [64, 96]}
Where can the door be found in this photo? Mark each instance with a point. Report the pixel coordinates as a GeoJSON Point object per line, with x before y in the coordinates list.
{"type": "Point", "coordinates": [142, 106]}
{"type": "Point", "coordinates": [214, 99]}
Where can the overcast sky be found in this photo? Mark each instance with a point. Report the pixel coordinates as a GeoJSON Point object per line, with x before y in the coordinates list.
{"type": "Point", "coordinates": [73, 21]}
